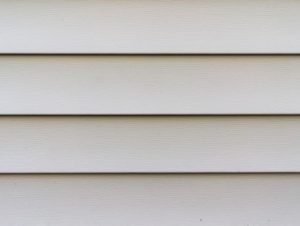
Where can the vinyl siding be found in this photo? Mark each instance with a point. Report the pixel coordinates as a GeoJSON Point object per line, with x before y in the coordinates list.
{"type": "Point", "coordinates": [149, 144]}
{"type": "Point", "coordinates": [147, 26]}
{"type": "Point", "coordinates": [149, 85]}
{"type": "Point", "coordinates": [147, 200]}
{"type": "Point", "coordinates": [149, 112]}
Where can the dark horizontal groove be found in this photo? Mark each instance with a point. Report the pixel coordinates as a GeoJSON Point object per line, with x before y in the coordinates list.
{"type": "Point", "coordinates": [150, 54]}
{"type": "Point", "coordinates": [147, 115]}
{"type": "Point", "coordinates": [150, 173]}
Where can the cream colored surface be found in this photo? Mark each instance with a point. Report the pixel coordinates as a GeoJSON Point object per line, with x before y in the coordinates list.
{"type": "Point", "coordinates": [147, 26]}
{"type": "Point", "coordinates": [147, 200]}
{"type": "Point", "coordinates": [150, 144]}
{"type": "Point", "coordinates": [149, 84]}
{"type": "Point", "coordinates": [115, 139]}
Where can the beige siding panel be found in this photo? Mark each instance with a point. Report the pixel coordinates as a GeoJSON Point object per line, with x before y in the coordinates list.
{"type": "Point", "coordinates": [147, 200]}
{"type": "Point", "coordinates": [149, 144]}
{"type": "Point", "coordinates": [147, 26]}
{"type": "Point", "coordinates": [149, 84]}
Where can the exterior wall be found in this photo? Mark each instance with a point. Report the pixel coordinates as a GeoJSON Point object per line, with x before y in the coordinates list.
{"type": "Point", "coordinates": [149, 112]}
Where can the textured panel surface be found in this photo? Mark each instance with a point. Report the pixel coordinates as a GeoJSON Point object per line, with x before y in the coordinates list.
{"type": "Point", "coordinates": [147, 200]}
{"type": "Point", "coordinates": [147, 26]}
{"type": "Point", "coordinates": [149, 144]}
{"type": "Point", "coordinates": [149, 84]}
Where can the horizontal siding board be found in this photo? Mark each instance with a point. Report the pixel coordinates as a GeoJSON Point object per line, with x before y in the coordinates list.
{"type": "Point", "coordinates": [149, 85]}
{"type": "Point", "coordinates": [147, 200]}
{"type": "Point", "coordinates": [146, 26]}
{"type": "Point", "coordinates": [149, 144]}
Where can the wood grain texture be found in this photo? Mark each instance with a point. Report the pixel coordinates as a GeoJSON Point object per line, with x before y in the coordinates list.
{"type": "Point", "coordinates": [147, 200]}
{"type": "Point", "coordinates": [149, 84]}
{"type": "Point", "coordinates": [147, 26]}
{"type": "Point", "coordinates": [149, 144]}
